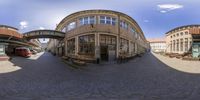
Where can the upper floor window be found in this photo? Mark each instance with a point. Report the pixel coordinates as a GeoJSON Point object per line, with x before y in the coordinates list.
{"type": "Point", "coordinates": [107, 20]}
{"type": "Point", "coordinates": [71, 26]}
{"type": "Point", "coordinates": [132, 30]}
{"type": "Point", "coordinates": [177, 34]}
{"type": "Point", "coordinates": [136, 35]}
{"type": "Point", "coordinates": [124, 25]}
{"type": "Point", "coordinates": [64, 29]}
{"type": "Point", "coordinates": [186, 33]}
{"type": "Point", "coordinates": [181, 33]}
{"type": "Point", "coordinates": [87, 20]}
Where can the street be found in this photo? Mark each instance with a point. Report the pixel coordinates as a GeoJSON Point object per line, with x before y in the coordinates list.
{"type": "Point", "coordinates": [47, 77]}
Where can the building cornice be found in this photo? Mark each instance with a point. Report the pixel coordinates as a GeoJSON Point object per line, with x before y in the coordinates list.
{"type": "Point", "coordinates": [183, 27]}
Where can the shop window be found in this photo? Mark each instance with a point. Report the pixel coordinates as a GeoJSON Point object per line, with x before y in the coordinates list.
{"type": "Point", "coordinates": [71, 46]}
{"type": "Point", "coordinates": [107, 40]}
{"type": "Point", "coordinates": [86, 44]}
{"type": "Point", "coordinates": [124, 45]}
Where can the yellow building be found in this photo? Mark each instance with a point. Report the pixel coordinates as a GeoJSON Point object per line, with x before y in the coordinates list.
{"type": "Point", "coordinates": [101, 34]}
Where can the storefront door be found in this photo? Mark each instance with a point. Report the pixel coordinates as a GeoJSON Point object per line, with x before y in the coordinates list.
{"type": "Point", "coordinates": [104, 53]}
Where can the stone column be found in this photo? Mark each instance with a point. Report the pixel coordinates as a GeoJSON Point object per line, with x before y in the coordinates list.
{"type": "Point", "coordinates": [65, 47]}
{"type": "Point", "coordinates": [129, 47]}
{"type": "Point", "coordinates": [97, 46]}
{"type": "Point", "coordinates": [179, 40]}
{"type": "Point", "coordinates": [76, 45]}
{"type": "Point", "coordinates": [136, 51]}
{"type": "Point", "coordinates": [118, 36]}
{"type": "Point", "coordinates": [183, 44]}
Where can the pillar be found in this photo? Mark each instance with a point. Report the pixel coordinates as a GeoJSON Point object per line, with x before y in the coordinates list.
{"type": "Point", "coordinates": [129, 47]}
{"type": "Point", "coordinates": [76, 45]}
{"type": "Point", "coordinates": [97, 45]}
{"type": "Point", "coordinates": [65, 48]}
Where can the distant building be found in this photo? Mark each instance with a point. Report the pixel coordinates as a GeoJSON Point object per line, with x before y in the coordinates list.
{"type": "Point", "coordinates": [184, 39]}
{"type": "Point", "coordinates": [157, 44]}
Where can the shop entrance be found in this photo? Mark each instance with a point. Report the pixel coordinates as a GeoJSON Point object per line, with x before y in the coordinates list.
{"type": "Point", "coordinates": [107, 47]}
{"type": "Point", "coordinates": [104, 53]}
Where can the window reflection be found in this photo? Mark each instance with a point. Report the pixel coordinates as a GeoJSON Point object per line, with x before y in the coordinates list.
{"type": "Point", "coordinates": [87, 44]}
{"type": "Point", "coordinates": [87, 20]}
{"type": "Point", "coordinates": [71, 46]}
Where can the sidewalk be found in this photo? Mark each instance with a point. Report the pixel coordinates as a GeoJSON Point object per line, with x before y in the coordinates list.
{"type": "Point", "coordinates": [180, 65]}
{"type": "Point", "coordinates": [7, 66]}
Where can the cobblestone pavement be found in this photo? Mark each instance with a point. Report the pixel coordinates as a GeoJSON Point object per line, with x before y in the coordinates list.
{"type": "Point", "coordinates": [144, 78]}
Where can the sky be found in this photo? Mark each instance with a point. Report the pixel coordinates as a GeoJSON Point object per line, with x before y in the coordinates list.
{"type": "Point", "coordinates": [155, 17]}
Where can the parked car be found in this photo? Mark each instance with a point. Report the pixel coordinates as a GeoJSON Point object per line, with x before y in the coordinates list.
{"type": "Point", "coordinates": [23, 51]}
{"type": "Point", "coordinates": [33, 52]}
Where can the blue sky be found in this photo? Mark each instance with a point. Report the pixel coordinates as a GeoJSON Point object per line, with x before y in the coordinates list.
{"type": "Point", "coordinates": [155, 17]}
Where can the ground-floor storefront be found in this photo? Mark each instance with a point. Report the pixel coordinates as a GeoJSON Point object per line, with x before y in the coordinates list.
{"type": "Point", "coordinates": [101, 46]}
{"type": "Point", "coordinates": [196, 46]}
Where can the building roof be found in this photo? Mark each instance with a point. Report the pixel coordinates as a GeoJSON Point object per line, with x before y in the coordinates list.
{"type": "Point", "coordinates": [100, 11]}
{"type": "Point", "coordinates": [6, 26]}
{"type": "Point", "coordinates": [153, 40]}
{"type": "Point", "coordinates": [10, 32]}
{"type": "Point", "coordinates": [185, 26]}
{"type": "Point", "coordinates": [194, 31]}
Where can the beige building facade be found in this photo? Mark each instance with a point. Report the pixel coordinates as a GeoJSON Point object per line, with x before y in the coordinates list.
{"type": "Point", "coordinates": [101, 34]}
{"type": "Point", "coordinates": [157, 44]}
{"type": "Point", "coordinates": [180, 39]}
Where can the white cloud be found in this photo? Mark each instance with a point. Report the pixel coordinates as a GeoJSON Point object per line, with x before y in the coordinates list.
{"type": "Point", "coordinates": [41, 28]}
{"type": "Point", "coordinates": [164, 8]}
{"type": "Point", "coordinates": [163, 11]}
{"type": "Point", "coordinates": [146, 21]}
{"type": "Point", "coordinates": [23, 24]}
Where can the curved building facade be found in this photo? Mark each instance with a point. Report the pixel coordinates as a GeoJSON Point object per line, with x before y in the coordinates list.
{"type": "Point", "coordinates": [101, 34]}
{"type": "Point", "coordinates": [181, 39]}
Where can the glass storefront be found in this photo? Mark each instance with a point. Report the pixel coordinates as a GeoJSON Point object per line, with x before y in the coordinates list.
{"type": "Point", "coordinates": [108, 47]}
{"type": "Point", "coordinates": [71, 46]}
{"type": "Point", "coordinates": [87, 45]}
{"type": "Point", "coordinates": [2, 49]}
{"type": "Point", "coordinates": [124, 45]}
{"type": "Point", "coordinates": [196, 50]}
